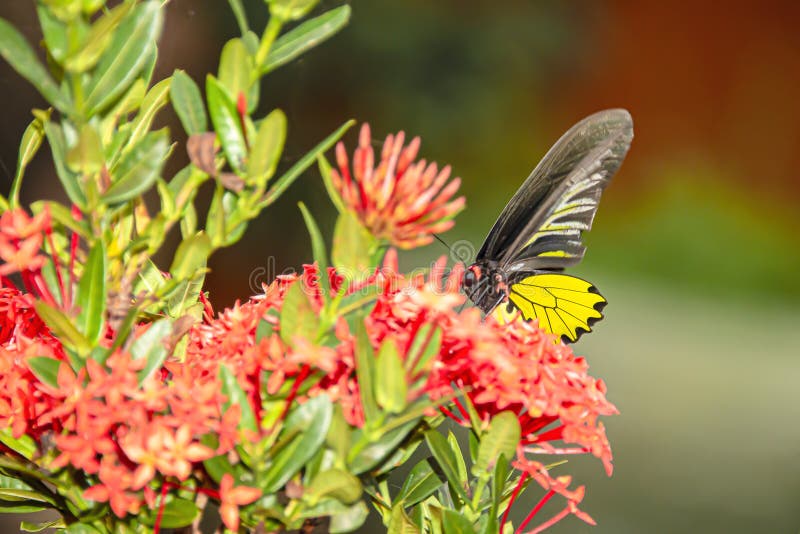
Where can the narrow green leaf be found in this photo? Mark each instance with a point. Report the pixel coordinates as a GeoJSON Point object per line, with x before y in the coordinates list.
{"type": "Point", "coordinates": [310, 421]}
{"type": "Point", "coordinates": [18, 53]}
{"type": "Point", "coordinates": [156, 98]}
{"type": "Point", "coordinates": [502, 437]}
{"type": "Point", "coordinates": [114, 134]}
{"type": "Point", "coordinates": [333, 483]}
{"type": "Point", "coordinates": [97, 40]}
{"type": "Point", "coordinates": [459, 457]}
{"type": "Point", "coordinates": [391, 389]}
{"type": "Point", "coordinates": [63, 216]}
{"type": "Point", "coordinates": [235, 68]}
{"type": "Point", "coordinates": [91, 296]}
{"type": "Point", "coordinates": [378, 446]}
{"type": "Point", "coordinates": [267, 149]}
{"type": "Point", "coordinates": [138, 169]}
{"type": "Point", "coordinates": [421, 483]}
{"type": "Point", "coordinates": [353, 248]}
{"type": "Point", "coordinates": [455, 523]}
{"type": "Point", "coordinates": [54, 32]}
{"type": "Point", "coordinates": [237, 397]}
{"type": "Point", "coordinates": [499, 478]}
{"type": "Point", "coordinates": [188, 103]}
{"type": "Point", "coordinates": [45, 369]}
{"type": "Point", "coordinates": [365, 372]}
{"type": "Point", "coordinates": [191, 256]}
{"type": "Point", "coordinates": [298, 318]}
{"type": "Point", "coordinates": [27, 526]}
{"type": "Point", "coordinates": [152, 347]}
{"type": "Point", "coordinates": [446, 458]}
{"type": "Point", "coordinates": [317, 248]}
{"type": "Point", "coordinates": [69, 180]}
{"type": "Point", "coordinates": [28, 147]}
{"type": "Point", "coordinates": [241, 15]}
{"type": "Point", "coordinates": [24, 445]}
{"type": "Point", "coordinates": [266, 328]}
{"type": "Point", "coordinates": [62, 326]}
{"type": "Point", "coordinates": [425, 346]}
{"type": "Point", "coordinates": [305, 37]}
{"type": "Point", "coordinates": [227, 124]}
{"type": "Point", "coordinates": [300, 167]}
{"type": "Point", "coordinates": [130, 51]}
{"type": "Point", "coordinates": [325, 172]}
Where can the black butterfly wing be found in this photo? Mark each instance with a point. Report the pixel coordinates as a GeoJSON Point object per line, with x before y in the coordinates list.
{"type": "Point", "coordinates": [541, 226]}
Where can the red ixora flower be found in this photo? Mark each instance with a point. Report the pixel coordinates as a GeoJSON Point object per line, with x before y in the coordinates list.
{"type": "Point", "coordinates": [398, 200]}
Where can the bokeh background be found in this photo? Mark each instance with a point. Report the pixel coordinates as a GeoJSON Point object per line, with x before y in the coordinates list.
{"type": "Point", "coordinates": [695, 244]}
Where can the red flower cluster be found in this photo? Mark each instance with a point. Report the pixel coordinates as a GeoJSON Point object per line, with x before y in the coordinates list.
{"type": "Point", "coordinates": [513, 366]}
{"type": "Point", "coordinates": [398, 200]}
{"type": "Point", "coordinates": [132, 434]}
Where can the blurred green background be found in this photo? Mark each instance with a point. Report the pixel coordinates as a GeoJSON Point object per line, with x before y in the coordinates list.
{"type": "Point", "coordinates": [695, 245]}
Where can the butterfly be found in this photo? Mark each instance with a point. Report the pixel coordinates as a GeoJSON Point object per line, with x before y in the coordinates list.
{"type": "Point", "coordinates": [518, 270]}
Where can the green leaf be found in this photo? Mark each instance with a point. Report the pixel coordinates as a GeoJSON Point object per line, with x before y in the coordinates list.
{"type": "Point", "coordinates": [129, 53]}
{"type": "Point", "coordinates": [235, 67]}
{"type": "Point", "coordinates": [28, 147]}
{"type": "Point", "coordinates": [425, 346]}
{"type": "Point", "coordinates": [325, 172]}
{"type": "Point", "coordinates": [400, 523]}
{"type": "Point", "coordinates": [69, 180]}
{"type": "Point", "coordinates": [446, 458]}
{"type": "Point", "coordinates": [338, 438]}
{"type": "Point", "coordinates": [350, 519]}
{"type": "Point", "coordinates": [45, 369]}
{"type": "Point", "coordinates": [236, 396]}
{"type": "Point", "coordinates": [191, 256]}
{"type": "Point", "coordinates": [62, 326]}
{"type": "Point", "coordinates": [18, 53]}
{"type": "Point", "coordinates": [365, 372]}
{"type": "Point", "coordinates": [26, 526]}
{"type": "Point", "coordinates": [54, 32]}
{"type": "Point", "coordinates": [421, 483]}
{"type": "Point", "coordinates": [391, 389]}
{"type": "Point", "coordinates": [305, 37]}
{"type": "Point", "coordinates": [266, 328]}
{"type": "Point", "coordinates": [502, 437]}
{"type": "Point", "coordinates": [353, 248]}
{"type": "Point", "coordinates": [227, 124]}
{"type": "Point", "coordinates": [188, 103]}
{"type": "Point", "coordinates": [459, 457]}
{"type": "Point", "coordinates": [267, 149]}
{"type": "Point", "coordinates": [87, 156]}
{"type": "Point", "coordinates": [82, 528]}
{"type": "Point", "coordinates": [298, 318]}
{"type": "Point", "coordinates": [112, 134]}
{"type": "Point", "coordinates": [318, 248]}
{"type": "Point", "coordinates": [499, 477]}
{"type": "Point", "coordinates": [24, 445]}
{"type": "Point", "coordinates": [333, 483]}
{"type": "Point", "coordinates": [97, 40]}
{"type": "Point", "coordinates": [287, 10]}
{"type": "Point", "coordinates": [152, 348]}
{"type": "Point", "coordinates": [176, 513]}
{"type": "Point", "coordinates": [138, 169]}
{"type": "Point", "coordinates": [155, 99]}
{"type": "Point", "coordinates": [300, 167]}
{"type": "Point", "coordinates": [365, 457]}
{"type": "Point", "coordinates": [310, 421]}
{"type": "Point", "coordinates": [241, 16]}
{"type": "Point", "coordinates": [455, 523]}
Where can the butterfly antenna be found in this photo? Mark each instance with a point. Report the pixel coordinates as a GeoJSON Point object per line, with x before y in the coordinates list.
{"type": "Point", "coordinates": [442, 241]}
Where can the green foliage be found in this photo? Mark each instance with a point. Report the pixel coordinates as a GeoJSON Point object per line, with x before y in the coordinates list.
{"type": "Point", "coordinates": [307, 459]}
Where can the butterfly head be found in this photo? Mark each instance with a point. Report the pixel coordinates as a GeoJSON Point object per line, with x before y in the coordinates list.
{"type": "Point", "coordinates": [485, 284]}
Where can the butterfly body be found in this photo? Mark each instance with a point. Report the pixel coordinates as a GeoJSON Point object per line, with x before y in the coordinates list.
{"type": "Point", "coordinates": [538, 233]}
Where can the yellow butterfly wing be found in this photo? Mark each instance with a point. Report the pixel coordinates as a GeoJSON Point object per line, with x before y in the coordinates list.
{"type": "Point", "coordinates": [564, 305]}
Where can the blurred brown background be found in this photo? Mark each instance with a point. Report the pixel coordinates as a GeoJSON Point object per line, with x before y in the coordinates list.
{"type": "Point", "coordinates": [695, 245]}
